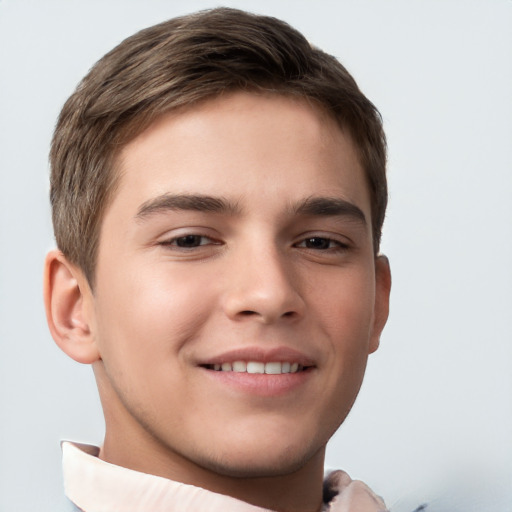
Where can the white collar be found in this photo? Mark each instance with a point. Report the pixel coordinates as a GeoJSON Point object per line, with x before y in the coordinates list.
{"type": "Point", "coordinates": [98, 486]}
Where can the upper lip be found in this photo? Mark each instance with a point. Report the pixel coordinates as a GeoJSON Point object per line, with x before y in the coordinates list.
{"type": "Point", "coordinates": [260, 354]}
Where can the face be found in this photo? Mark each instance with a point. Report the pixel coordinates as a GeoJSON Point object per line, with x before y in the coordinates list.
{"type": "Point", "coordinates": [236, 295]}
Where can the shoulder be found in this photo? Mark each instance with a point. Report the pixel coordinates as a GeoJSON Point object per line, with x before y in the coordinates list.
{"type": "Point", "coordinates": [341, 494]}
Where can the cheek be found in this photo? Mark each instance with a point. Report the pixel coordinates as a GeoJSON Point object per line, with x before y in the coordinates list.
{"type": "Point", "coordinates": [347, 309]}
{"type": "Point", "coordinates": [147, 316]}
{"type": "Point", "coordinates": [143, 323]}
{"type": "Point", "coordinates": [347, 316]}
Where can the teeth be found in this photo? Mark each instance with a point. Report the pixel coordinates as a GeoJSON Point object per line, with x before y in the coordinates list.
{"type": "Point", "coordinates": [254, 367]}
{"type": "Point", "coordinates": [239, 366]}
{"type": "Point", "coordinates": [271, 368]}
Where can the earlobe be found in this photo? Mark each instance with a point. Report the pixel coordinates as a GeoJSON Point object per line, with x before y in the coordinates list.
{"type": "Point", "coordinates": [67, 300]}
{"type": "Point", "coordinates": [382, 291]}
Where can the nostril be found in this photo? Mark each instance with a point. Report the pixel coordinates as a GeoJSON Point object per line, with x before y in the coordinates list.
{"type": "Point", "coordinates": [248, 312]}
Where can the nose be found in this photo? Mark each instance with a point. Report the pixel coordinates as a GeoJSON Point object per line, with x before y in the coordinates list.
{"type": "Point", "coordinates": [263, 286]}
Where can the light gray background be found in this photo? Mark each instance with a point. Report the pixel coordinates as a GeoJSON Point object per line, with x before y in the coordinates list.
{"type": "Point", "coordinates": [433, 421]}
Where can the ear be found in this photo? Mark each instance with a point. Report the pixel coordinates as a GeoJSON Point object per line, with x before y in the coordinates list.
{"type": "Point", "coordinates": [69, 308]}
{"type": "Point", "coordinates": [381, 308]}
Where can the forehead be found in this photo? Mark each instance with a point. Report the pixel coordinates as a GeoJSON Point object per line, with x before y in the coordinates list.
{"type": "Point", "coordinates": [243, 145]}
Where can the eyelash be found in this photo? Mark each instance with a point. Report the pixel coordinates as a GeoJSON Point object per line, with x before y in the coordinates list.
{"type": "Point", "coordinates": [175, 242]}
{"type": "Point", "coordinates": [333, 245]}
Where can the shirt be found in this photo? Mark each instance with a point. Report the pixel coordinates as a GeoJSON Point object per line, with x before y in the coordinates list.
{"type": "Point", "coordinates": [98, 486]}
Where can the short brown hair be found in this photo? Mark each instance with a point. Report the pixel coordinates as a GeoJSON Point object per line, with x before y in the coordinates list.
{"type": "Point", "coordinates": [176, 64]}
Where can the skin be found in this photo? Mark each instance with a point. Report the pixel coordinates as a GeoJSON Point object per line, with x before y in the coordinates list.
{"type": "Point", "coordinates": [263, 272]}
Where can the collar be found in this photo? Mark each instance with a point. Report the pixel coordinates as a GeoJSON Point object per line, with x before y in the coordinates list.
{"type": "Point", "coordinates": [98, 486]}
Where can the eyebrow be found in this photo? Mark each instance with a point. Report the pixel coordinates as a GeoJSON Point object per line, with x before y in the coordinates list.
{"type": "Point", "coordinates": [192, 202]}
{"type": "Point", "coordinates": [330, 207]}
{"type": "Point", "coordinates": [314, 206]}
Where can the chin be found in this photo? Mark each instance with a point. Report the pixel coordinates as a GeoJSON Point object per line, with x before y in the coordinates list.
{"type": "Point", "coordinates": [260, 462]}
{"type": "Point", "coordinates": [262, 447]}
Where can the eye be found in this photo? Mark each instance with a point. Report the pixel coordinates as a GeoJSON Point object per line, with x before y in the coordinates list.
{"type": "Point", "coordinates": [189, 241]}
{"type": "Point", "coordinates": [321, 243]}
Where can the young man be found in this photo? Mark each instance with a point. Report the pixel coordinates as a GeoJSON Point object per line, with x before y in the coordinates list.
{"type": "Point", "coordinates": [218, 191]}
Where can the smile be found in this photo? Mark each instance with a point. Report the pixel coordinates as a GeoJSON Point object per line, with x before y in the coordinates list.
{"type": "Point", "coordinates": [260, 372]}
{"type": "Point", "coordinates": [270, 368]}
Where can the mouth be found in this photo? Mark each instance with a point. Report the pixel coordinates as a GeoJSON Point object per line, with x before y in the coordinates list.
{"type": "Point", "coordinates": [258, 367]}
{"type": "Point", "coordinates": [259, 371]}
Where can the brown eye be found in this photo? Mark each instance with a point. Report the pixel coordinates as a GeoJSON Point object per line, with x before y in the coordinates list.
{"type": "Point", "coordinates": [322, 243]}
{"type": "Point", "coordinates": [317, 243]}
{"type": "Point", "coordinates": [189, 241]}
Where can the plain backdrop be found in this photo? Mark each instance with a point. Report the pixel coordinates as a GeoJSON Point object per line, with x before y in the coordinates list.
{"type": "Point", "coordinates": [433, 422]}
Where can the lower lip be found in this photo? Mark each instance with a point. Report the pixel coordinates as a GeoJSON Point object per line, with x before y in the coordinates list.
{"type": "Point", "coordinates": [261, 384]}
